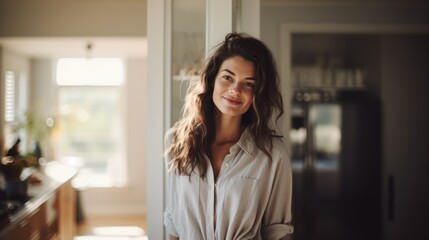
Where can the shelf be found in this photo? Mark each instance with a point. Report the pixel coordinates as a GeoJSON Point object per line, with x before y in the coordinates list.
{"type": "Point", "coordinates": [185, 77]}
{"type": "Point", "coordinates": [318, 77]}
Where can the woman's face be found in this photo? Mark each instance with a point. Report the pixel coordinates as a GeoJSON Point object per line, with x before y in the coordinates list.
{"type": "Point", "coordinates": [234, 86]}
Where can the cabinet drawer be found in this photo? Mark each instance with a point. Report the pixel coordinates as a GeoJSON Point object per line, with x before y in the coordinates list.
{"type": "Point", "coordinates": [31, 227]}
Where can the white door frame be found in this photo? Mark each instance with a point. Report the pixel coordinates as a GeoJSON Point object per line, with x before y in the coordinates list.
{"type": "Point", "coordinates": [157, 35]}
{"type": "Point", "coordinates": [159, 87]}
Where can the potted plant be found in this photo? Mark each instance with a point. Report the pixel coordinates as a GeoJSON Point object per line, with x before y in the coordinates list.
{"type": "Point", "coordinates": [14, 161]}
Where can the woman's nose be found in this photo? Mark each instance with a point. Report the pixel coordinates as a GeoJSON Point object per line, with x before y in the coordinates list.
{"type": "Point", "coordinates": [234, 88]}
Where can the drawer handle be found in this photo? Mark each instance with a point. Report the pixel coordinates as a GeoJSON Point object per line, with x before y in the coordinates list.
{"type": "Point", "coordinates": [23, 223]}
{"type": "Point", "coordinates": [35, 235]}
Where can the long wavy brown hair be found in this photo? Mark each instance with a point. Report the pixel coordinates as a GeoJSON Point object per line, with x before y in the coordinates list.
{"type": "Point", "coordinates": [195, 131]}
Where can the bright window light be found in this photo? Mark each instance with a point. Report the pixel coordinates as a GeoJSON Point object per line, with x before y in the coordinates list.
{"type": "Point", "coordinates": [91, 136]}
{"type": "Point", "coordinates": [90, 71]}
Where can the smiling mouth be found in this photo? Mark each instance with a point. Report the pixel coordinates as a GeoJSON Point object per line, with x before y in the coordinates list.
{"type": "Point", "coordinates": [232, 101]}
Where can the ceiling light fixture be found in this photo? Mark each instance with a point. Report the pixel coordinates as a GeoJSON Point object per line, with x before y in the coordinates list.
{"type": "Point", "coordinates": [89, 50]}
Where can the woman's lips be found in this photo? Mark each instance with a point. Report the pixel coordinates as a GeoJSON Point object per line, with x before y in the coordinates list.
{"type": "Point", "coordinates": [232, 100]}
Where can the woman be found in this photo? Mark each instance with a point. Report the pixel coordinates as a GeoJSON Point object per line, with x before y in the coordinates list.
{"type": "Point", "coordinates": [229, 173]}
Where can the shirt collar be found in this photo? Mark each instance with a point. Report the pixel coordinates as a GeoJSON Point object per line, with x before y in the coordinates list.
{"type": "Point", "coordinates": [246, 142]}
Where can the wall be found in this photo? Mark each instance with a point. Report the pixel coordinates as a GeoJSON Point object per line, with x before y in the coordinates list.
{"type": "Point", "coordinates": [73, 18]}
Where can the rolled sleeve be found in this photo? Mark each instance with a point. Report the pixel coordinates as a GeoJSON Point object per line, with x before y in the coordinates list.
{"type": "Point", "coordinates": [276, 231]}
{"type": "Point", "coordinates": [278, 215]}
{"type": "Point", "coordinates": [169, 224]}
{"type": "Point", "coordinates": [168, 217]}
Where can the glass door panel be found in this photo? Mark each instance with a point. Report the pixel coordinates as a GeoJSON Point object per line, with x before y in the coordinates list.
{"type": "Point", "coordinates": [188, 48]}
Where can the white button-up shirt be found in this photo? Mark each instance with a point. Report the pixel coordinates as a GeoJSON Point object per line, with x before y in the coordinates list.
{"type": "Point", "coordinates": [250, 199]}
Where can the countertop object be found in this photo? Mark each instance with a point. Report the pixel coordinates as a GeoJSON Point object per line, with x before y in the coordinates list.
{"type": "Point", "coordinates": [52, 198]}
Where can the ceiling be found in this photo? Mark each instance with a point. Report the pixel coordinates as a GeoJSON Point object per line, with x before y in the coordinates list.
{"type": "Point", "coordinates": [43, 47]}
{"type": "Point", "coordinates": [52, 47]}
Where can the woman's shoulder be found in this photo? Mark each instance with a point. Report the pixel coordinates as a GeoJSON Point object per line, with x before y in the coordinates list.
{"type": "Point", "coordinates": [168, 138]}
{"type": "Point", "coordinates": [278, 147]}
{"type": "Point", "coordinates": [279, 150]}
{"type": "Point", "coordinates": [280, 157]}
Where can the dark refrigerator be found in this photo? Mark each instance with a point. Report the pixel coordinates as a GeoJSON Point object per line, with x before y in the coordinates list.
{"type": "Point", "coordinates": [335, 138]}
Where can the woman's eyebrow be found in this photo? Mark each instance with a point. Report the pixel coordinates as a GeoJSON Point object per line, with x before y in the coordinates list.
{"type": "Point", "coordinates": [229, 71]}
{"type": "Point", "coordinates": [232, 73]}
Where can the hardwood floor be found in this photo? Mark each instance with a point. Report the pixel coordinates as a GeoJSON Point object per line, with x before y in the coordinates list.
{"type": "Point", "coordinates": [92, 225]}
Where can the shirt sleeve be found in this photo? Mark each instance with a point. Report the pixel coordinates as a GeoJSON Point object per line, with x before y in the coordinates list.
{"type": "Point", "coordinates": [168, 216]}
{"type": "Point", "coordinates": [169, 223]}
{"type": "Point", "coordinates": [277, 217]}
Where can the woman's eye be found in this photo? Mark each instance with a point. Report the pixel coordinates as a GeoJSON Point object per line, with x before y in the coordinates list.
{"type": "Point", "coordinates": [228, 78]}
{"type": "Point", "coordinates": [249, 84]}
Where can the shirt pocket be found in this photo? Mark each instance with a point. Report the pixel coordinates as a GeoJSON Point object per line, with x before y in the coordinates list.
{"type": "Point", "coordinates": [241, 191]}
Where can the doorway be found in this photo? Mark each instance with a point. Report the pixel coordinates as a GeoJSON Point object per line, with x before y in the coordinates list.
{"type": "Point", "coordinates": [368, 195]}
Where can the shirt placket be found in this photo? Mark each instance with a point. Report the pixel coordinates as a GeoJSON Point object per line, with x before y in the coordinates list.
{"type": "Point", "coordinates": [218, 188]}
{"type": "Point", "coordinates": [210, 227]}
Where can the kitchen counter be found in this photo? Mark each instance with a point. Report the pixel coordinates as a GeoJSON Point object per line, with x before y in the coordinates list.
{"type": "Point", "coordinates": [53, 195]}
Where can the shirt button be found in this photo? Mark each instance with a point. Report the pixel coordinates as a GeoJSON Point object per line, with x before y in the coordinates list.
{"type": "Point", "coordinates": [226, 164]}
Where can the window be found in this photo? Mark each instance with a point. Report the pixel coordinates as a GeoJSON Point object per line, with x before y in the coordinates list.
{"type": "Point", "coordinates": [90, 119]}
{"type": "Point", "coordinates": [9, 108]}
{"type": "Point", "coordinates": [9, 101]}
{"type": "Point", "coordinates": [14, 105]}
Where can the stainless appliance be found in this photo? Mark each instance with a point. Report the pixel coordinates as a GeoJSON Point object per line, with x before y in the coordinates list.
{"type": "Point", "coordinates": [336, 177]}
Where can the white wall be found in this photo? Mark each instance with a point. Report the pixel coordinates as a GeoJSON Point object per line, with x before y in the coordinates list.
{"type": "Point", "coordinates": [43, 88]}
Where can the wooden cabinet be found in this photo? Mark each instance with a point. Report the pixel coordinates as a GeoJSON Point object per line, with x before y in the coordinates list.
{"type": "Point", "coordinates": [31, 227]}
{"type": "Point", "coordinates": [50, 212]}
{"type": "Point", "coordinates": [67, 212]}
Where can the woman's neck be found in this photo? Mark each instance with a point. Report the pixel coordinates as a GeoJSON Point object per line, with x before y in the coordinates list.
{"type": "Point", "coordinates": [228, 129]}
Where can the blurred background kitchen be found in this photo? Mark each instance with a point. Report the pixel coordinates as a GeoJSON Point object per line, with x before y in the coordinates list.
{"type": "Point", "coordinates": [101, 81]}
